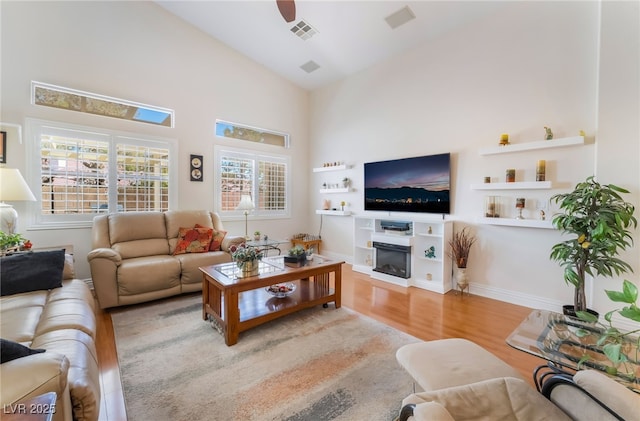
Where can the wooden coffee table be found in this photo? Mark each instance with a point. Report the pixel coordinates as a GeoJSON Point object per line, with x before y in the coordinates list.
{"type": "Point", "coordinates": [236, 304]}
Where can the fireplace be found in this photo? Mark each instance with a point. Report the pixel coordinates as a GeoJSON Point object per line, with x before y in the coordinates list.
{"type": "Point", "coordinates": [393, 259]}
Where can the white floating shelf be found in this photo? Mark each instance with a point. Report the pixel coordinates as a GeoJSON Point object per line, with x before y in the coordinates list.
{"type": "Point", "coordinates": [541, 144]}
{"type": "Point", "coordinates": [331, 168]}
{"type": "Point", "coordinates": [421, 234]}
{"type": "Point", "coordinates": [333, 212]}
{"type": "Point", "coordinates": [521, 185]}
{"type": "Point", "coordinates": [430, 259]}
{"type": "Point", "coordinates": [340, 190]}
{"type": "Point", "coordinates": [526, 223]}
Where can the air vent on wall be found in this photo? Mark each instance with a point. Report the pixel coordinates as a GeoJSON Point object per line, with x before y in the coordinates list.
{"type": "Point", "coordinates": [303, 30]}
{"type": "Point", "coordinates": [310, 66]}
{"type": "Point", "coordinates": [400, 17]}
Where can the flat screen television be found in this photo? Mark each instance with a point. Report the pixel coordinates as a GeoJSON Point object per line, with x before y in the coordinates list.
{"type": "Point", "coordinates": [417, 184]}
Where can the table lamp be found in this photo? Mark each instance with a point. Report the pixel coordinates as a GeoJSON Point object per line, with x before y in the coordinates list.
{"type": "Point", "coordinates": [246, 205]}
{"type": "Point", "coordinates": [13, 188]}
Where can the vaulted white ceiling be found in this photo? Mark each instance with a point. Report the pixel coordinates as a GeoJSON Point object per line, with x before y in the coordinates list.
{"type": "Point", "coordinates": [351, 35]}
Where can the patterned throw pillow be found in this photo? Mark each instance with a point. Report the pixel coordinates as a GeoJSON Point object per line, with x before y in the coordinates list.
{"type": "Point", "coordinates": [193, 240]}
{"type": "Point", "coordinates": [216, 240]}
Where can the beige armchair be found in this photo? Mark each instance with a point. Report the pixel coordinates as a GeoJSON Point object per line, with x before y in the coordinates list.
{"type": "Point", "coordinates": [589, 395]}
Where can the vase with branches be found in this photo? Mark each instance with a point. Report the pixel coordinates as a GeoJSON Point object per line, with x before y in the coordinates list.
{"type": "Point", "coordinates": [460, 246]}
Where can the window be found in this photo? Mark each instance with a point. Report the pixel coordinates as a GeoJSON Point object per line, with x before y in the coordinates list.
{"type": "Point", "coordinates": [265, 177]}
{"type": "Point", "coordinates": [85, 102]}
{"type": "Point", "coordinates": [251, 134]}
{"type": "Point", "coordinates": [85, 171]}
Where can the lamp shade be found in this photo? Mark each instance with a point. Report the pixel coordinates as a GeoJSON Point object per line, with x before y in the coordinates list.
{"type": "Point", "coordinates": [246, 204]}
{"type": "Point", "coordinates": [13, 188]}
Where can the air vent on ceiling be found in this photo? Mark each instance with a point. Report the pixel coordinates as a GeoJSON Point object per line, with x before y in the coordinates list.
{"type": "Point", "coordinates": [303, 30]}
{"type": "Point", "coordinates": [310, 66]}
{"type": "Point", "coordinates": [400, 17]}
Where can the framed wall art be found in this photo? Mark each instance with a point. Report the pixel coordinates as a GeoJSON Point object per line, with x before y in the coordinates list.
{"type": "Point", "coordinates": [3, 147]}
{"type": "Point", "coordinates": [195, 167]}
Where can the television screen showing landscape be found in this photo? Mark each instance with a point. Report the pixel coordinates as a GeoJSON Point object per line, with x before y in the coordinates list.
{"type": "Point", "coordinates": [418, 184]}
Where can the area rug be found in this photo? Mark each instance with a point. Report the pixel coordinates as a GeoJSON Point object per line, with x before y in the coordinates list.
{"type": "Point", "coordinates": [317, 364]}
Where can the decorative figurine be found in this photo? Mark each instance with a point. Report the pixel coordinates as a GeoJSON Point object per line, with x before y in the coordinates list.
{"type": "Point", "coordinates": [504, 139]}
{"type": "Point", "coordinates": [430, 253]}
{"type": "Point", "coordinates": [548, 134]}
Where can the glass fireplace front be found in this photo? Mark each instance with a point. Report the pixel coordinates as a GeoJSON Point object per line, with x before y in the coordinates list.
{"type": "Point", "coordinates": [393, 259]}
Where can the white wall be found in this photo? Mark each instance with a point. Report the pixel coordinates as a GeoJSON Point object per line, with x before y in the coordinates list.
{"type": "Point", "coordinates": [530, 65]}
{"type": "Point", "coordinates": [139, 52]}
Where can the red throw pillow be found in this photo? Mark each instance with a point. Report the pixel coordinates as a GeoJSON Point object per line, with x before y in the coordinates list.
{"type": "Point", "coordinates": [216, 239]}
{"type": "Point", "coordinates": [193, 240]}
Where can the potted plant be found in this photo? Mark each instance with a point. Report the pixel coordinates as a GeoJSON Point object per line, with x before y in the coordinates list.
{"type": "Point", "coordinates": [622, 349]}
{"type": "Point", "coordinates": [247, 259]}
{"type": "Point", "coordinates": [256, 235]}
{"type": "Point", "coordinates": [599, 220]}
{"type": "Point", "coordinates": [460, 246]}
{"type": "Point", "coordinates": [9, 242]}
{"type": "Point", "coordinates": [296, 256]}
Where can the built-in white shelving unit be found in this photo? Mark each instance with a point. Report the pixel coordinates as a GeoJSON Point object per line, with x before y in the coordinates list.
{"type": "Point", "coordinates": [529, 146]}
{"type": "Point", "coordinates": [520, 185]}
{"type": "Point", "coordinates": [430, 273]}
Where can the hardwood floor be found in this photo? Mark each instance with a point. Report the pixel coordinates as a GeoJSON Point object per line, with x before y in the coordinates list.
{"type": "Point", "coordinates": [423, 314]}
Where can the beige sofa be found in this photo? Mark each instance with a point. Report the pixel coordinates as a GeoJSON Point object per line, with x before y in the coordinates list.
{"type": "Point", "coordinates": [462, 381]}
{"type": "Point", "coordinates": [61, 321]}
{"type": "Point", "coordinates": [133, 259]}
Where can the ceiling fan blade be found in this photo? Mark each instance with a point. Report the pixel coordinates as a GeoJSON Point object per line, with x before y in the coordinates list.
{"type": "Point", "coordinates": [287, 9]}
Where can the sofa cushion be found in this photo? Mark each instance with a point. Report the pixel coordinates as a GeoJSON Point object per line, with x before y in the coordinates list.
{"type": "Point", "coordinates": [147, 274]}
{"type": "Point", "coordinates": [193, 240]}
{"type": "Point", "coordinates": [137, 234]}
{"type": "Point", "coordinates": [216, 238]}
{"type": "Point", "coordinates": [25, 272]}
{"type": "Point", "coordinates": [10, 351]}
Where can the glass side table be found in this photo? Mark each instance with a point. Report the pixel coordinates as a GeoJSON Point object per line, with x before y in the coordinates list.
{"type": "Point", "coordinates": [267, 245]}
{"type": "Point", "coordinates": [564, 341]}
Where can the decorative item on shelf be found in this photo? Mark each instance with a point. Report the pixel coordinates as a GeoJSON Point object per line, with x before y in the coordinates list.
{"type": "Point", "coordinates": [281, 290]}
{"type": "Point", "coordinates": [520, 201]}
{"type": "Point", "coordinates": [13, 188]}
{"type": "Point", "coordinates": [296, 257]}
{"type": "Point", "coordinates": [324, 185]}
{"type": "Point", "coordinates": [429, 277]}
{"type": "Point", "coordinates": [266, 237]}
{"type": "Point", "coordinates": [548, 134]}
{"type": "Point", "coordinates": [540, 170]}
{"type": "Point", "coordinates": [367, 260]}
{"type": "Point", "coordinates": [599, 220]}
{"type": "Point", "coordinates": [342, 205]}
{"type": "Point", "coordinates": [256, 235]}
{"type": "Point", "coordinates": [430, 253]}
{"type": "Point", "coordinates": [326, 204]}
{"type": "Point", "coordinates": [491, 207]}
{"type": "Point", "coordinates": [247, 259]}
{"type": "Point", "coordinates": [510, 175]}
{"type": "Point", "coordinates": [429, 230]}
{"type": "Point", "coordinates": [246, 205]}
{"type": "Point", "coordinates": [504, 139]}
{"type": "Point", "coordinates": [543, 216]}
{"type": "Point", "coordinates": [195, 167]}
{"type": "Point", "coordinates": [460, 246]}
{"type": "Point", "coordinates": [487, 180]}
{"type": "Point", "coordinates": [346, 182]}
{"type": "Point", "coordinates": [582, 133]}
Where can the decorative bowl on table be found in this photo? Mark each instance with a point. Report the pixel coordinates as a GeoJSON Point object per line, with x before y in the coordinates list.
{"type": "Point", "coordinates": [281, 290]}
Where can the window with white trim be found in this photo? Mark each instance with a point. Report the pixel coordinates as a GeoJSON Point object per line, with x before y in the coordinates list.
{"type": "Point", "coordinates": [84, 171]}
{"type": "Point", "coordinates": [265, 177]}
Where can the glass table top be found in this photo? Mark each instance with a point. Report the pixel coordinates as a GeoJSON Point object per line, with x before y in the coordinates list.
{"type": "Point", "coordinates": [266, 266]}
{"type": "Point", "coordinates": [565, 341]}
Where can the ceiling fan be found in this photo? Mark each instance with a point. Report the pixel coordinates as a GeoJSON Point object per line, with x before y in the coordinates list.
{"type": "Point", "coordinates": [287, 9]}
